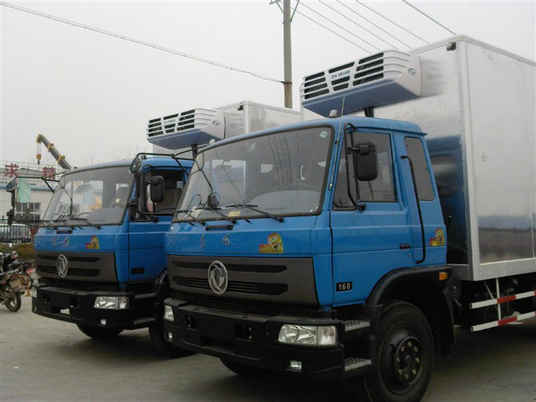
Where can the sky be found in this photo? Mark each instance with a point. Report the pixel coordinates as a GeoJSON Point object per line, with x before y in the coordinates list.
{"type": "Point", "coordinates": [92, 95]}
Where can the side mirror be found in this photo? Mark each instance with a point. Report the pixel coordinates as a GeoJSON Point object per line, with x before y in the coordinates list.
{"type": "Point", "coordinates": [135, 165]}
{"type": "Point", "coordinates": [366, 161]}
{"type": "Point", "coordinates": [157, 189]}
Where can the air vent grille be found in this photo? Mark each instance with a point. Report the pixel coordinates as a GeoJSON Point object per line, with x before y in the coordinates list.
{"type": "Point", "coordinates": [397, 73]}
{"type": "Point", "coordinates": [173, 123]}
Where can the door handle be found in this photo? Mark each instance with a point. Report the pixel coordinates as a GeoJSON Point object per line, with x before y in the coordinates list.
{"type": "Point", "coordinates": [404, 246]}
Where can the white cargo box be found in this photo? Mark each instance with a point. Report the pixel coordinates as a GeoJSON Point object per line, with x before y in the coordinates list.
{"type": "Point", "coordinates": [201, 125]}
{"type": "Point", "coordinates": [477, 105]}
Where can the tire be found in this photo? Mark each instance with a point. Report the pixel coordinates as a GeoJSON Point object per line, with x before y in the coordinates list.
{"type": "Point", "coordinates": [13, 302]}
{"type": "Point", "coordinates": [244, 370]}
{"type": "Point", "coordinates": [98, 332]}
{"type": "Point", "coordinates": [404, 356]}
{"type": "Point", "coordinates": [163, 348]}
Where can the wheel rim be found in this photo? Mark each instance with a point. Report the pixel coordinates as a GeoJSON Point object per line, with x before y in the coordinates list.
{"type": "Point", "coordinates": [402, 362]}
{"type": "Point", "coordinates": [12, 302]}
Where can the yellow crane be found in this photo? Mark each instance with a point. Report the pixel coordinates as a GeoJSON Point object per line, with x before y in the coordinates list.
{"type": "Point", "coordinates": [60, 159]}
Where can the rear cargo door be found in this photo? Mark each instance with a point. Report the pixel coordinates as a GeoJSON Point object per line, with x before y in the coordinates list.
{"type": "Point", "coordinates": [373, 238]}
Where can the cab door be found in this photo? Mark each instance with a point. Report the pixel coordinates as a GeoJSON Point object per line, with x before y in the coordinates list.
{"type": "Point", "coordinates": [147, 254]}
{"type": "Point", "coordinates": [369, 220]}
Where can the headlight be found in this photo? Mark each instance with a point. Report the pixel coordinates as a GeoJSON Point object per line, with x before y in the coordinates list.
{"type": "Point", "coordinates": [111, 302]}
{"type": "Point", "coordinates": [168, 313]}
{"type": "Point", "coordinates": [308, 335]}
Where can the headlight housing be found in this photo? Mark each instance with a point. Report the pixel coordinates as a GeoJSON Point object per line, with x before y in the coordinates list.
{"type": "Point", "coordinates": [308, 335]}
{"type": "Point", "coordinates": [111, 302]}
{"type": "Point", "coordinates": [168, 313]}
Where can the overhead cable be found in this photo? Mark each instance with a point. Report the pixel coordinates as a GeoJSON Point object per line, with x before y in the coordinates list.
{"type": "Point", "coordinates": [331, 30]}
{"type": "Point", "coordinates": [133, 40]}
{"type": "Point", "coordinates": [362, 27]}
{"type": "Point", "coordinates": [339, 26]}
{"type": "Point", "coordinates": [391, 21]}
{"type": "Point", "coordinates": [429, 17]}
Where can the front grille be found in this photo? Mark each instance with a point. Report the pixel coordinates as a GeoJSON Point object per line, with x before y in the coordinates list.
{"type": "Point", "coordinates": [79, 285]}
{"type": "Point", "coordinates": [73, 271]}
{"type": "Point", "coordinates": [234, 267]}
{"type": "Point", "coordinates": [93, 266]}
{"type": "Point", "coordinates": [281, 280]}
{"type": "Point", "coordinates": [73, 258]}
{"type": "Point", "coordinates": [235, 286]}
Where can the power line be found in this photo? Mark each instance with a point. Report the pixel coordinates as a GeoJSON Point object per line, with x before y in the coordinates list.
{"type": "Point", "coordinates": [362, 27]}
{"type": "Point", "coordinates": [339, 26]}
{"type": "Point", "coordinates": [331, 30]}
{"type": "Point", "coordinates": [429, 17]}
{"type": "Point", "coordinates": [133, 40]}
{"type": "Point", "coordinates": [391, 21]}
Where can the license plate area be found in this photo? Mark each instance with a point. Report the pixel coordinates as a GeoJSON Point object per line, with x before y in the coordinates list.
{"type": "Point", "coordinates": [237, 336]}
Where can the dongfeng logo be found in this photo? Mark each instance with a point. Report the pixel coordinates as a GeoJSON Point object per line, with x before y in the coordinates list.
{"type": "Point", "coordinates": [62, 266]}
{"type": "Point", "coordinates": [218, 278]}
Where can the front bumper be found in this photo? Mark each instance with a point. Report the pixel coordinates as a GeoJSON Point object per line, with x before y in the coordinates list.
{"type": "Point", "coordinates": [76, 306]}
{"type": "Point", "coordinates": [251, 339]}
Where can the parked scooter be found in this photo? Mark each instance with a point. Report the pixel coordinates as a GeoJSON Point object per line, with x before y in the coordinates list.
{"type": "Point", "coordinates": [15, 279]}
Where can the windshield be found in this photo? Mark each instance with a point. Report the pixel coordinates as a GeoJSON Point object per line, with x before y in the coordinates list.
{"type": "Point", "coordinates": [96, 196]}
{"type": "Point", "coordinates": [280, 174]}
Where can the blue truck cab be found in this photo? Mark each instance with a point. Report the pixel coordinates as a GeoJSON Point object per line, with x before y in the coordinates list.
{"type": "Point", "coordinates": [288, 241]}
{"type": "Point", "coordinates": [100, 251]}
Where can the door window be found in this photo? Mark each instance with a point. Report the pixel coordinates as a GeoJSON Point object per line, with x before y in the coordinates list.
{"type": "Point", "coordinates": [423, 178]}
{"type": "Point", "coordinates": [381, 189]}
{"type": "Point", "coordinates": [173, 186]}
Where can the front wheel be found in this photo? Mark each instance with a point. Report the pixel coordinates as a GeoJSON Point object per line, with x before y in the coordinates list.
{"type": "Point", "coordinates": [99, 332]}
{"type": "Point", "coordinates": [404, 356]}
{"type": "Point", "coordinates": [13, 301]}
{"type": "Point", "coordinates": [161, 346]}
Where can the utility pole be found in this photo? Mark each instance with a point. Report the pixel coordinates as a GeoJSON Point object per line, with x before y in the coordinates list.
{"type": "Point", "coordinates": [288, 15]}
{"type": "Point", "coordinates": [287, 53]}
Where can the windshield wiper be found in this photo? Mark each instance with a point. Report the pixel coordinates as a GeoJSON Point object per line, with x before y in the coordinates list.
{"type": "Point", "coordinates": [191, 216]}
{"type": "Point", "coordinates": [218, 211]}
{"type": "Point", "coordinates": [60, 218]}
{"type": "Point", "coordinates": [253, 208]}
{"type": "Point", "coordinates": [80, 218]}
{"type": "Point", "coordinates": [62, 187]}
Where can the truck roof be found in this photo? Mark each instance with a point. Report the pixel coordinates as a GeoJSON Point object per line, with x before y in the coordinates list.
{"type": "Point", "coordinates": [156, 161]}
{"type": "Point", "coordinates": [358, 121]}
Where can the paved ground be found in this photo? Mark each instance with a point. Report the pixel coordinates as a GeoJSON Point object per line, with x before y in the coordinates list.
{"type": "Point", "coordinates": [43, 359]}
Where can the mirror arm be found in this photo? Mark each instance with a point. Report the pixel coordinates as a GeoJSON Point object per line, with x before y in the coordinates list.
{"type": "Point", "coordinates": [357, 203]}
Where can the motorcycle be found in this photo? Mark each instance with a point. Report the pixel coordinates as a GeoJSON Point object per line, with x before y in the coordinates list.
{"type": "Point", "coordinates": [15, 279]}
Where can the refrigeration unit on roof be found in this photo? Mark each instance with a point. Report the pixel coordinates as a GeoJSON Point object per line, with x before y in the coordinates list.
{"type": "Point", "coordinates": [381, 79]}
{"type": "Point", "coordinates": [202, 125]}
{"type": "Point", "coordinates": [180, 130]}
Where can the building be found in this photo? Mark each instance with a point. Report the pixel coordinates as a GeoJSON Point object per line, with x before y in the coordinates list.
{"type": "Point", "coordinates": [39, 195]}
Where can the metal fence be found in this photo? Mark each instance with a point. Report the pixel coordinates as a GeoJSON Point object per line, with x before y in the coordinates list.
{"type": "Point", "coordinates": [15, 233]}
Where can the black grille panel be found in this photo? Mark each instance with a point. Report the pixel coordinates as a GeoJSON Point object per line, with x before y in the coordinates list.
{"type": "Point", "coordinates": [233, 267]}
{"type": "Point", "coordinates": [95, 266]}
{"type": "Point", "coordinates": [269, 279]}
{"type": "Point", "coordinates": [235, 286]}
